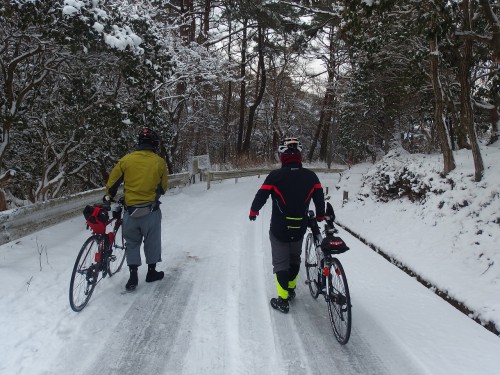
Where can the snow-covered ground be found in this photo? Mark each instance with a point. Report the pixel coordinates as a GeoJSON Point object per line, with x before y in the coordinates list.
{"type": "Point", "coordinates": [211, 313]}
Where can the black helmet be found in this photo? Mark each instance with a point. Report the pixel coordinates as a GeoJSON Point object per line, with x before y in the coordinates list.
{"type": "Point", "coordinates": [290, 143]}
{"type": "Point", "coordinates": [148, 137]}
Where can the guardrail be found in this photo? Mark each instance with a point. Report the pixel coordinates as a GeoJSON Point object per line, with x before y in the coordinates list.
{"type": "Point", "coordinates": [19, 222]}
{"type": "Point", "coordinates": [225, 175]}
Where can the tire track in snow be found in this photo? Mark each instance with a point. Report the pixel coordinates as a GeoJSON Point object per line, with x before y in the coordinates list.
{"type": "Point", "coordinates": [145, 339]}
{"type": "Point", "coordinates": [256, 328]}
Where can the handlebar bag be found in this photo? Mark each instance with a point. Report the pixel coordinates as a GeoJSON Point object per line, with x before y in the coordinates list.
{"type": "Point", "coordinates": [333, 245]}
{"type": "Point", "coordinates": [97, 218]}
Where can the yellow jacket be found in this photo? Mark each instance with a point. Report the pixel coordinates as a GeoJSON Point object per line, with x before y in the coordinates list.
{"type": "Point", "coordinates": [144, 175]}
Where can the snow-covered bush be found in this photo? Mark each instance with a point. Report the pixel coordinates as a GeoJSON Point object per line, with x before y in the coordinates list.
{"type": "Point", "coordinates": [401, 174]}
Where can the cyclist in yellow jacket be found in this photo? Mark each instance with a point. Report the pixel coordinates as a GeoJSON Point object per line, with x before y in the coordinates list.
{"type": "Point", "coordinates": [144, 175]}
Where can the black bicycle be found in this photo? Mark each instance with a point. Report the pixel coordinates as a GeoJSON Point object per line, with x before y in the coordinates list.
{"type": "Point", "coordinates": [101, 255]}
{"type": "Point", "coordinates": [325, 274]}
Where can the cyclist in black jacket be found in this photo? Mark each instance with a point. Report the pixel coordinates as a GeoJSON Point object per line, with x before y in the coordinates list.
{"type": "Point", "coordinates": [291, 188]}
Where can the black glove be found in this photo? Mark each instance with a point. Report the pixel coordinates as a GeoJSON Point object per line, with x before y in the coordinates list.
{"type": "Point", "coordinates": [253, 215]}
{"type": "Point", "coordinates": [106, 200]}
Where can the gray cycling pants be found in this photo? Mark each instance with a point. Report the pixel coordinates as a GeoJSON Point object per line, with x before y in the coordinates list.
{"type": "Point", "coordinates": [285, 254]}
{"type": "Point", "coordinates": [145, 229]}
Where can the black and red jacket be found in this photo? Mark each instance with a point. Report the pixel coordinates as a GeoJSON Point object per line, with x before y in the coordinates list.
{"type": "Point", "coordinates": [291, 188]}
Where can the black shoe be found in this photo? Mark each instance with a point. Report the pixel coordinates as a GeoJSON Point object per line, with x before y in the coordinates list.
{"type": "Point", "coordinates": [132, 281]}
{"type": "Point", "coordinates": [154, 275]}
{"type": "Point", "coordinates": [280, 304]}
{"type": "Point", "coordinates": [291, 294]}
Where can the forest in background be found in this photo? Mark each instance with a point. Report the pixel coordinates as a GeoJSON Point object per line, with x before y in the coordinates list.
{"type": "Point", "coordinates": [229, 79]}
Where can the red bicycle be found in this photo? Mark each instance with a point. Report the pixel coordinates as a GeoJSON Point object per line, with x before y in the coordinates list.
{"type": "Point", "coordinates": [101, 255]}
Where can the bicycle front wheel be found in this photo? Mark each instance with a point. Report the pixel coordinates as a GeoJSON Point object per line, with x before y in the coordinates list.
{"type": "Point", "coordinates": [117, 257]}
{"type": "Point", "coordinates": [84, 275]}
{"type": "Point", "coordinates": [339, 303]}
{"type": "Point", "coordinates": [311, 263]}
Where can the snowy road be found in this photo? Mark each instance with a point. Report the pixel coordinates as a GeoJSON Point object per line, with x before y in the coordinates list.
{"type": "Point", "coordinates": [211, 313]}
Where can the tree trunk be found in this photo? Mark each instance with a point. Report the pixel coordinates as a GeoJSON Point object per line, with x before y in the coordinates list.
{"type": "Point", "coordinates": [319, 126]}
{"type": "Point", "coordinates": [439, 121]}
{"type": "Point", "coordinates": [325, 134]}
{"type": "Point", "coordinates": [4, 181]}
{"type": "Point", "coordinates": [226, 148]}
{"type": "Point", "coordinates": [466, 114]}
{"type": "Point", "coordinates": [260, 95]}
{"type": "Point", "coordinates": [3, 201]}
{"type": "Point", "coordinates": [275, 125]}
{"type": "Point", "coordinates": [172, 152]}
{"type": "Point", "coordinates": [388, 127]}
{"type": "Point", "coordinates": [327, 124]}
{"type": "Point", "coordinates": [205, 27]}
{"type": "Point", "coordinates": [185, 30]}
{"type": "Point", "coordinates": [243, 90]}
{"type": "Point", "coordinates": [4, 139]}
{"type": "Point", "coordinates": [494, 23]}
{"type": "Point", "coordinates": [278, 89]}
{"type": "Point", "coordinates": [460, 131]}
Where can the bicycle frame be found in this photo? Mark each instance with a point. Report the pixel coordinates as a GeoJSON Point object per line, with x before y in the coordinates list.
{"type": "Point", "coordinates": [324, 262]}
{"type": "Point", "coordinates": [106, 241]}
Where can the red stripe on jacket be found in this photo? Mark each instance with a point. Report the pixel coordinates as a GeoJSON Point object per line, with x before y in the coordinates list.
{"type": "Point", "coordinates": [316, 186]}
{"type": "Point", "coordinates": [275, 189]}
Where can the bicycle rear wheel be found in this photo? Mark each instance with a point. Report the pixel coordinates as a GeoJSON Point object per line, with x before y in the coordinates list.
{"type": "Point", "coordinates": [117, 257]}
{"type": "Point", "coordinates": [311, 263]}
{"type": "Point", "coordinates": [84, 275]}
{"type": "Point", "coordinates": [339, 303]}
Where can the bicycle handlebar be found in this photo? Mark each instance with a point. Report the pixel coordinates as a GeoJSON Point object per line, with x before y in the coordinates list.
{"type": "Point", "coordinates": [120, 202]}
{"type": "Point", "coordinates": [313, 223]}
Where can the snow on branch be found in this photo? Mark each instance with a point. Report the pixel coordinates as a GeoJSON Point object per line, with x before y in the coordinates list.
{"type": "Point", "coordinates": [120, 37]}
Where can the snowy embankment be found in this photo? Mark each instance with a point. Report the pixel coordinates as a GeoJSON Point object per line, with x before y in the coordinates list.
{"type": "Point", "coordinates": [450, 237]}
